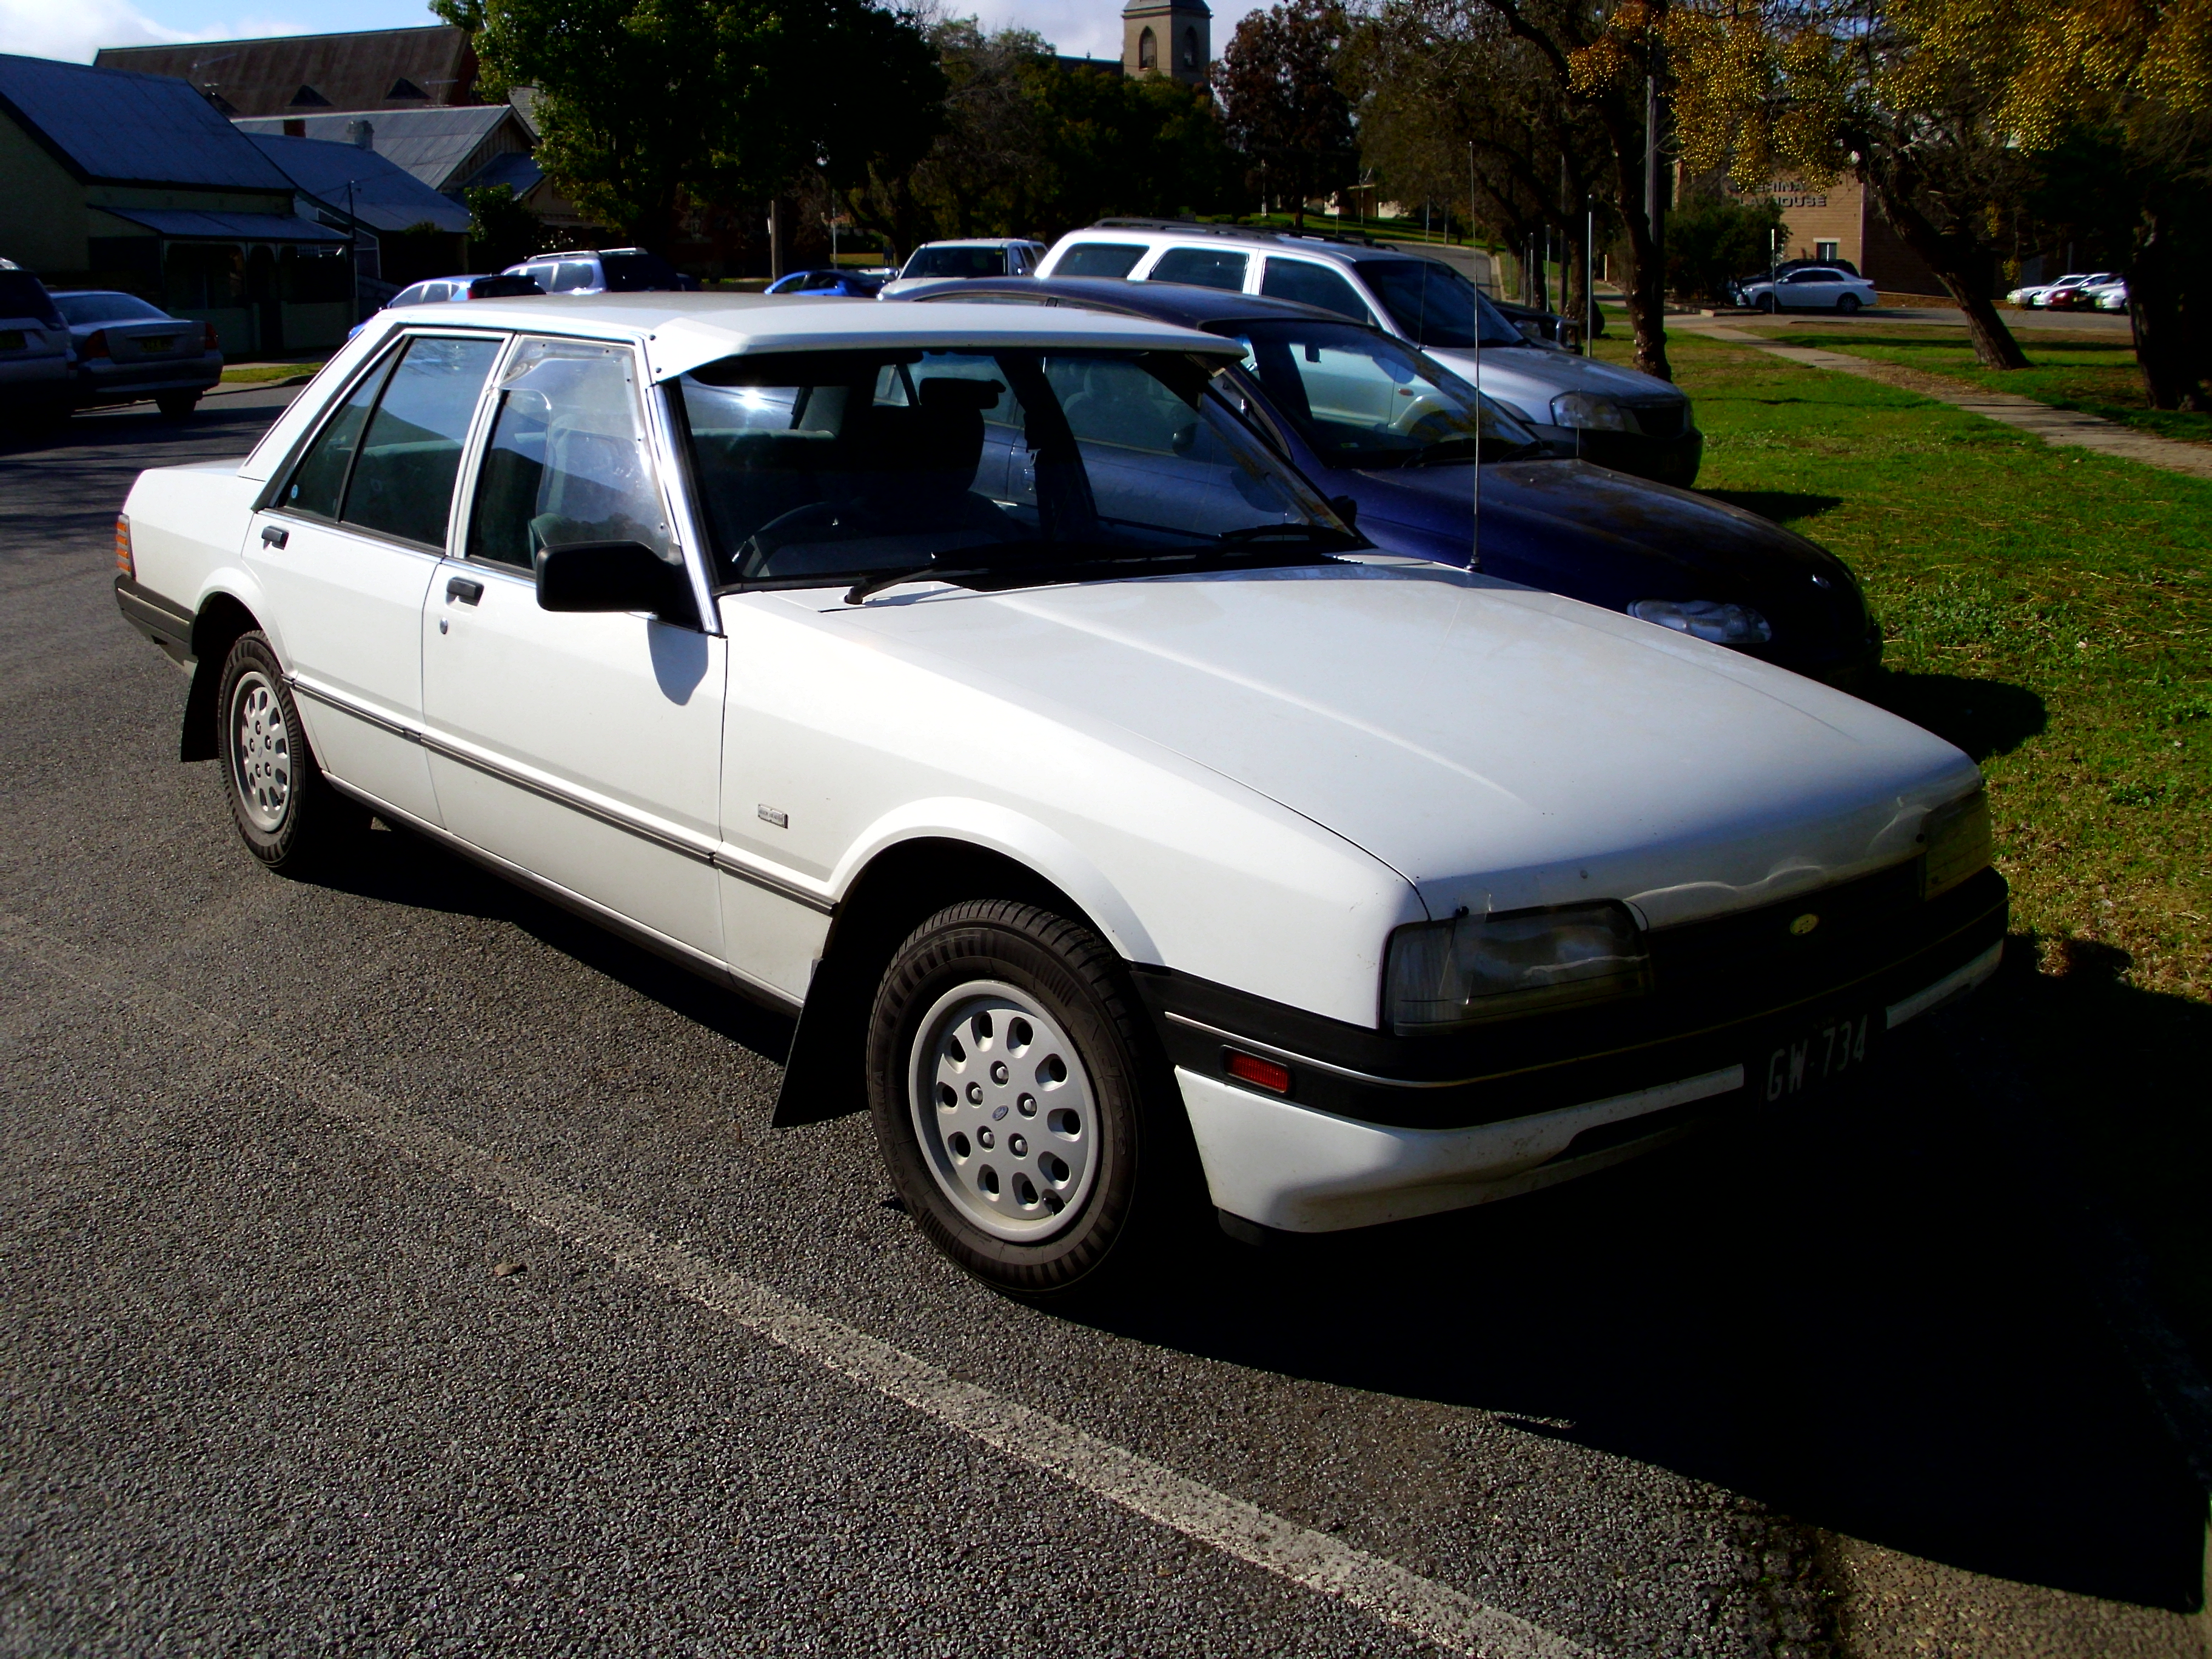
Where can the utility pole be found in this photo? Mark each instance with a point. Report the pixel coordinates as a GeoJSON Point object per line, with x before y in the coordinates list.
{"type": "Point", "coordinates": [1651, 154]}
{"type": "Point", "coordinates": [1589, 276]}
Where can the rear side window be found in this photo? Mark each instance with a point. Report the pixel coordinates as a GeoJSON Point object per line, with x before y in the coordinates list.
{"type": "Point", "coordinates": [639, 273]}
{"type": "Point", "coordinates": [1202, 267]}
{"type": "Point", "coordinates": [1311, 284]}
{"type": "Point", "coordinates": [387, 458]}
{"type": "Point", "coordinates": [568, 461]}
{"type": "Point", "coordinates": [22, 295]}
{"type": "Point", "coordinates": [571, 274]}
{"type": "Point", "coordinates": [1099, 260]}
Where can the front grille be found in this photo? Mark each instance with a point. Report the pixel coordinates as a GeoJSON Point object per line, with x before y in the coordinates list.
{"type": "Point", "coordinates": [1667, 420]}
{"type": "Point", "coordinates": [1758, 947]}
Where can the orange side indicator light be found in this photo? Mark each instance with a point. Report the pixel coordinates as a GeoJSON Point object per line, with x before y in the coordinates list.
{"type": "Point", "coordinates": [126, 566]}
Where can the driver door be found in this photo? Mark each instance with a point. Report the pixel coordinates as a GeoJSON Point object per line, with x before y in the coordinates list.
{"type": "Point", "coordinates": [583, 747]}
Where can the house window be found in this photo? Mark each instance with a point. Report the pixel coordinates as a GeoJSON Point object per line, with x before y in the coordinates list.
{"type": "Point", "coordinates": [1828, 250]}
{"type": "Point", "coordinates": [1148, 51]}
{"type": "Point", "coordinates": [1190, 49]}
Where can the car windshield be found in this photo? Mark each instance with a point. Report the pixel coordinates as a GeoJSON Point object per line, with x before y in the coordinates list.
{"type": "Point", "coordinates": [834, 466]}
{"type": "Point", "coordinates": [1435, 306]}
{"type": "Point", "coordinates": [79, 309]}
{"type": "Point", "coordinates": [638, 273]}
{"type": "Point", "coordinates": [1363, 400]}
{"type": "Point", "coordinates": [956, 262]}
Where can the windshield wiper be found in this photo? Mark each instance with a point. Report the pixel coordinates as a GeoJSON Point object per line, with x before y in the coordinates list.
{"type": "Point", "coordinates": [1311, 535]}
{"type": "Point", "coordinates": [859, 591]}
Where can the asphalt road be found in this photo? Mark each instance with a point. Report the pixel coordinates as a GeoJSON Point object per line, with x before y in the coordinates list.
{"type": "Point", "coordinates": [1831, 1383]}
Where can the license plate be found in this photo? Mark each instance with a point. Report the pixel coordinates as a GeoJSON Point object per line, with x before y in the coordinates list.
{"type": "Point", "coordinates": [1817, 1056]}
{"type": "Point", "coordinates": [161, 343]}
{"type": "Point", "coordinates": [11, 339]}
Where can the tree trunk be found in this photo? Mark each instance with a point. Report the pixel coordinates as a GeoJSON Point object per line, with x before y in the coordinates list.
{"type": "Point", "coordinates": [1966, 268]}
{"type": "Point", "coordinates": [2166, 357]}
{"type": "Point", "coordinates": [1644, 283]}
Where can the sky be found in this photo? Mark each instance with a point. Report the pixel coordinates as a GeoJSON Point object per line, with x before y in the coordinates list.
{"type": "Point", "coordinates": [75, 29]}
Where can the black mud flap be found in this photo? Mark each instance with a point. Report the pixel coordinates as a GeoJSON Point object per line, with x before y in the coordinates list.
{"type": "Point", "coordinates": [825, 1075]}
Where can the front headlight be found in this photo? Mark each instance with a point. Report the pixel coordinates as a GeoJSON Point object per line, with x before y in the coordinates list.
{"type": "Point", "coordinates": [1706, 619]}
{"type": "Point", "coordinates": [1588, 412]}
{"type": "Point", "coordinates": [1443, 974]}
{"type": "Point", "coordinates": [1959, 842]}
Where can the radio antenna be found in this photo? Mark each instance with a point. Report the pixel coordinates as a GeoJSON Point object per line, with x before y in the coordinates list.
{"type": "Point", "coordinates": [1474, 529]}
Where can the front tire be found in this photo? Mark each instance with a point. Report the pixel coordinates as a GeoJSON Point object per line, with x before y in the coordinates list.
{"type": "Point", "coordinates": [286, 811]}
{"type": "Point", "coordinates": [1847, 305]}
{"type": "Point", "coordinates": [1767, 303]}
{"type": "Point", "coordinates": [1023, 1117]}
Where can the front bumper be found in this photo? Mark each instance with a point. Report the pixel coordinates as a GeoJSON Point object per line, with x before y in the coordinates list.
{"type": "Point", "coordinates": [1375, 1128]}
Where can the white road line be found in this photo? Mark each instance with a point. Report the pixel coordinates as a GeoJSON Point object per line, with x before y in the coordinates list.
{"type": "Point", "coordinates": [1434, 1612]}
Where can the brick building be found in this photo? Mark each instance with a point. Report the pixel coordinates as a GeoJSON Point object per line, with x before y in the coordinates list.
{"type": "Point", "coordinates": [1840, 221]}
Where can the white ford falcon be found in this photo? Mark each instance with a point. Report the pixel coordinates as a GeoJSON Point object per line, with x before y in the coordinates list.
{"type": "Point", "coordinates": [1124, 832]}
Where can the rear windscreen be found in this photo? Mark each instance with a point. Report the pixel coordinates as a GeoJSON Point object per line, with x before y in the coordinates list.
{"type": "Point", "coordinates": [22, 295]}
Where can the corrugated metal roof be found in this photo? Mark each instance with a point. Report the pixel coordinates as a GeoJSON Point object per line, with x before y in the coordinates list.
{"type": "Point", "coordinates": [117, 127]}
{"type": "Point", "coordinates": [359, 70]}
{"type": "Point", "coordinates": [519, 173]}
{"type": "Point", "coordinates": [385, 197]}
{"type": "Point", "coordinates": [433, 144]}
{"type": "Point", "coordinates": [186, 224]}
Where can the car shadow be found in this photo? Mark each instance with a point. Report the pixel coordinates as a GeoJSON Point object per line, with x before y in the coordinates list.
{"type": "Point", "coordinates": [1983, 717]}
{"type": "Point", "coordinates": [397, 867]}
{"type": "Point", "coordinates": [1779, 506]}
{"type": "Point", "coordinates": [1861, 1314]}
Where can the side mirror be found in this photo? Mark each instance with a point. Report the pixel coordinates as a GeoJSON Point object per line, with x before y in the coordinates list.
{"type": "Point", "coordinates": [1345, 508]}
{"type": "Point", "coordinates": [615, 576]}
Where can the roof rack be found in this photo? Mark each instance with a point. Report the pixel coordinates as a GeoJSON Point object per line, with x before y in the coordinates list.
{"type": "Point", "coordinates": [1238, 232]}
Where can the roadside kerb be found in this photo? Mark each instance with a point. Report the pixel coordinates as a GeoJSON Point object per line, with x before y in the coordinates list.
{"type": "Point", "coordinates": [2053, 426]}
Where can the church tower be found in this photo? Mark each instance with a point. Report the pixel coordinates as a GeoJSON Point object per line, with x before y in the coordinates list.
{"type": "Point", "coordinates": [1168, 37]}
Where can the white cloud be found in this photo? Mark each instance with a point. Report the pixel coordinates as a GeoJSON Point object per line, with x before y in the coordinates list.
{"type": "Point", "coordinates": [73, 30]}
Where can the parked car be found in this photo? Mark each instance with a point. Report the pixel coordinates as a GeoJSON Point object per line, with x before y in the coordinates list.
{"type": "Point", "coordinates": [34, 349]}
{"type": "Point", "coordinates": [981, 256]}
{"type": "Point", "coordinates": [445, 291]}
{"type": "Point", "coordinates": [973, 684]}
{"type": "Point", "coordinates": [1614, 416]}
{"type": "Point", "coordinates": [603, 270]}
{"type": "Point", "coordinates": [1388, 430]}
{"type": "Point", "coordinates": [2040, 296]}
{"type": "Point", "coordinates": [1813, 288]}
{"type": "Point", "coordinates": [125, 351]}
{"type": "Point", "coordinates": [1739, 286]}
{"type": "Point", "coordinates": [840, 281]}
{"type": "Point", "coordinates": [2084, 296]}
{"type": "Point", "coordinates": [2113, 296]}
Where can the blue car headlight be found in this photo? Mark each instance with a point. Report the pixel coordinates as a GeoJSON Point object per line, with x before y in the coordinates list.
{"type": "Point", "coordinates": [1706, 619]}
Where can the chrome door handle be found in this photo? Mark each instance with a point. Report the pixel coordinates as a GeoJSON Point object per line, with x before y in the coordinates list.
{"type": "Point", "coordinates": [461, 588]}
{"type": "Point", "coordinates": [274, 536]}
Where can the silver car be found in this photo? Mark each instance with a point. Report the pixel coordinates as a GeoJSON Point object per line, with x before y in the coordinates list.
{"type": "Point", "coordinates": [1813, 288]}
{"type": "Point", "coordinates": [34, 348]}
{"type": "Point", "coordinates": [127, 351]}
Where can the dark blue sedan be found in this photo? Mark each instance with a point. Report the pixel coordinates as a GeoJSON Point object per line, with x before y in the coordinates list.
{"type": "Point", "coordinates": [1391, 434]}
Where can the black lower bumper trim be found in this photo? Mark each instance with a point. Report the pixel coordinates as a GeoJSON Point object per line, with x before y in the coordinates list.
{"type": "Point", "coordinates": [167, 625]}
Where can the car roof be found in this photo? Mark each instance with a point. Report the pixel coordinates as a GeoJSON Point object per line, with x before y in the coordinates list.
{"type": "Point", "coordinates": [983, 241]}
{"type": "Point", "coordinates": [682, 332]}
{"type": "Point", "coordinates": [1351, 249]}
{"type": "Point", "coordinates": [1184, 304]}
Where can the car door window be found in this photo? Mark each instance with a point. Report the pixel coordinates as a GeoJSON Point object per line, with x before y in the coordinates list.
{"type": "Point", "coordinates": [568, 461]}
{"type": "Point", "coordinates": [1100, 259]}
{"type": "Point", "coordinates": [1202, 267]}
{"type": "Point", "coordinates": [1311, 284]}
{"type": "Point", "coordinates": [411, 453]}
{"type": "Point", "coordinates": [318, 482]}
{"type": "Point", "coordinates": [572, 275]}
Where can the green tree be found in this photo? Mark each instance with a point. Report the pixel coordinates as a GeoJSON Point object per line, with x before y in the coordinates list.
{"type": "Point", "coordinates": [1712, 235]}
{"type": "Point", "coordinates": [501, 231]}
{"type": "Point", "coordinates": [642, 104]}
{"type": "Point", "coordinates": [1285, 112]}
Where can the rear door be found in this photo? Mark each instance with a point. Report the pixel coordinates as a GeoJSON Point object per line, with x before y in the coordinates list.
{"type": "Point", "coordinates": [585, 748]}
{"type": "Point", "coordinates": [345, 550]}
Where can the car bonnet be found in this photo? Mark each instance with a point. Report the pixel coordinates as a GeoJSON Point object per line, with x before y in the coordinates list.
{"type": "Point", "coordinates": [1498, 746]}
{"type": "Point", "coordinates": [1561, 371]}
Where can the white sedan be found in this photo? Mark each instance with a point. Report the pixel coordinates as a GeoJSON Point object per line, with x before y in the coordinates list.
{"type": "Point", "coordinates": [971, 683]}
{"type": "Point", "coordinates": [1814, 287]}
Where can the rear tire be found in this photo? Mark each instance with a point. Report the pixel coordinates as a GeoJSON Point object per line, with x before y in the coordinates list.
{"type": "Point", "coordinates": [287, 813]}
{"type": "Point", "coordinates": [177, 405]}
{"type": "Point", "coordinates": [1024, 1119]}
{"type": "Point", "coordinates": [1766, 302]}
{"type": "Point", "coordinates": [1847, 304]}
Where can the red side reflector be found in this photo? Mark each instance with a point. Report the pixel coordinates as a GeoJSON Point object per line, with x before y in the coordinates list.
{"type": "Point", "coordinates": [124, 565]}
{"type": "Point", "coordinates": [1266, 1075]}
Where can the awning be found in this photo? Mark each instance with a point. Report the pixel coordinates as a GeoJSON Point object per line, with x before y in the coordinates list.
{"type": "Point", "coordinates": [187, 224]}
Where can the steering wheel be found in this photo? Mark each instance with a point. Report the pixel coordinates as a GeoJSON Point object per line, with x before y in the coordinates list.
{"type": "Point", "coordinates": [778, 533]}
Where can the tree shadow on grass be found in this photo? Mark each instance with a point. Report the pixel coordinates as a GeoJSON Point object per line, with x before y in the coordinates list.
{"type": "Point", "coordinates": [1868, 1314]}
{"type": "Point", "coordinates": [1983, 717]}
{"type": "Point", "coordinates": [1779, 506]}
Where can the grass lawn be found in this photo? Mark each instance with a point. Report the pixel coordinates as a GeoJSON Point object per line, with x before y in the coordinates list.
{"type": "Point", "coordinates": [2095, 374]}
{"type": "Point", "coordinates": [2050, 611]}
{"type": "Point", "coordinates": [249, 373]}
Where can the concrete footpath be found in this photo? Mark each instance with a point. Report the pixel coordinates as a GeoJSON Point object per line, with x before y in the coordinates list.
{"type": "Point", "coordinates": [2053, 426]}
